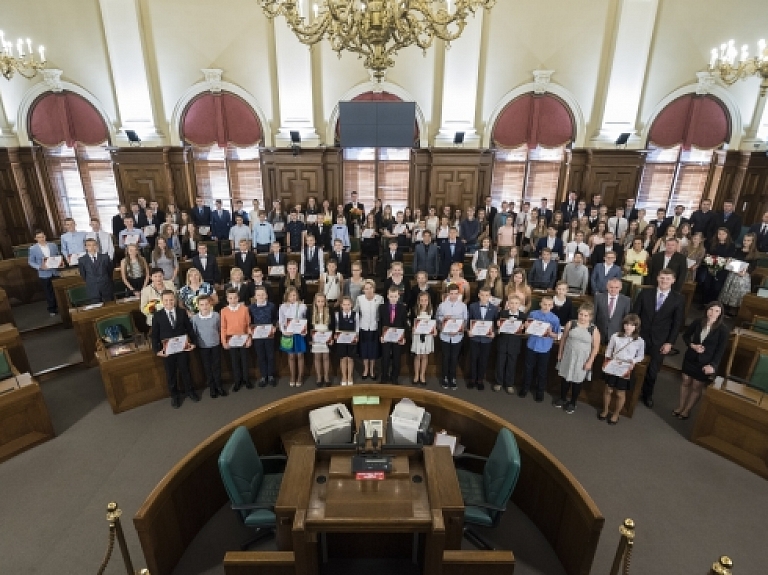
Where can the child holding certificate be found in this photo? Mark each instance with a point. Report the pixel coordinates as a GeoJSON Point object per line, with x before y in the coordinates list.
{"type": "Point", "coordinates": [292, 342]}
{"type": "Point", "coordinates": [539, 346]}
{"type": "Point", "coordinates": [509, 344]}
{"type": "Point", "coordinates": [207, 327]}
{"type": "Point", "coordinates": [264, 313]}
{"type": "Point", "coordinates": [423, 343]}
{"type": "Point", "coordinates": [235, 336]}
{"type": "Point", "coordinates": [321, 321]}
{"type": "Point", "coordinates": [392, 316]}
{"type": "Point", "coordinates": [347, 323]}
{"type": "Point", "coordinates": [451, 318]}
{"type": "Point", "coordinates": [480, 339]}
{"type": "Point", "coordinates": [627, 347]}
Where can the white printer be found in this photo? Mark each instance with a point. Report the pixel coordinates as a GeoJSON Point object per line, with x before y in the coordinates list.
{"type": "Point", "coordinates": [331, 424]}
{"type": "Point", "coordinates": [409, 423]}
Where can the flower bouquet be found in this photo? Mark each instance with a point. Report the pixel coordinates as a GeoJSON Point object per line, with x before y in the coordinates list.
{"type": "Point", "coordinates": [193, 304]}
{"type": "Point", "coordinates": [640, 268]}
{"type": "Point", "coordinates": [151, 307]}
{"type": "Point", "coordinates": [356, 213]}
{"type": "Point", "coordinates": [327, 221]}
{"type": "Point", "coordinates": [715, 264]}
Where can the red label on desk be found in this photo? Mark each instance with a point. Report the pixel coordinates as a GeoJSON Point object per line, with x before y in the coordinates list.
{"type": "Point", "coordinates": [363, 475]}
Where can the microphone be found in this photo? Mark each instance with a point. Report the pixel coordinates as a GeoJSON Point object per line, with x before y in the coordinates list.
{"type": "Point", "coordinates": [361, 437]}
{"type": "Point", "coordinates": [375, 441]}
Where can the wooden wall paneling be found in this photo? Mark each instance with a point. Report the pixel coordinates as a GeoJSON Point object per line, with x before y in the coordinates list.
{"type": "Point", "coordinates": [454, 177]}
{"type": "Point", "coordinates": [573, 176]}
{"type": "Point", "coordinates": [143, 172]}
{"type": "Point", "coordinates": [292, 179]}
{"type": "Point", "coordinates": [722, 177]}
{"type": "Point", "coordinates": [751, 186]}
{"type": "Point", "coordinates": [614, 174]}
{"type": "Point", "coordinates": [484, 176]}
{"type": "Point", "coordinates": [334, 170]}
{"type": "Point", "coordinates": [44, 214]}
{"type": "Point", "coordinates": [182, 175]}
{"type": "Point", "coordinates": [14, 228]}
{"type": "Point", "coordinates": [418, 193]}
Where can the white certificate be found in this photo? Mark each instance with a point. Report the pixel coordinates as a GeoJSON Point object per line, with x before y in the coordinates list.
{"type": "Point", "coordinates": [480, 275]}
{"type": "Point", "coordinates": [690, 262]}
{"type": "Point", "coordinates": [452, 326]}
{"type": "Point", "coordinates": [237, 340]}
{"type": "Point", "coordinates": [131, 239]}
{"type": "Point", "coordinates": [204, 230]}
{"type": "Point", "coordinates": [393, 334]}
{"type": "Point", "coordinates": [278, 226]}
{"type": "Point", "coordinates": [296, 326]}
{"type": "Point", "coordinates": [321, 337]}
{"type": "Point", "coordinates": [150, 230]}
{"type": "Point", "coordinates": [311, 218]}
{"type": "Point", "coordinates": [424, 326]}
{"type": "Point", "coordinates": [368, 233]}
{"type": "Point", "coordinates": [737, 266]}
{"type": "Point", "coordinates": [482, 328]}
{"type": "Point", "coordinates": [175, 228]}
{"type": "Point", "coordinates": [442, 233]}
{"type": "Point", "coordinates": [346, 337]}
{"type": "Point", "coordinates": [175, 344]}
{"type": "Point", "coordinates": [617, 367]}
{"type": "Point", "coordinates": [510, 326]}
{"type": "Point", "coordinates": [495, 301]}
{"type": "Point", "coordinates": [399, 229]}
{"type": "Point", "coordinates": [276, 270]}
{"type": "Point", "coordinates": [53, 262]}
{"type": "Point", "coordinates": [74, 258]}
{"type": "Point", "coordinates": [262, 331]}
{"type": "Point", "coordinates": [92, 306]}
{"type": "Point", "coordinates": [537, 327]}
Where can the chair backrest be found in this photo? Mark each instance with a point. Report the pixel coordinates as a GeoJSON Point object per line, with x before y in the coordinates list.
{"type": "Point", "coordinates": [759, 377]}
{"type": "Point", "coordinates": [119, 289]}
{"type": "Point", "coordinates": [5, 365]}
{"type": "Point", "coordinates": [626, 287]}
{"type": "Point", "coordinates": [21, 251]}
{"type": "Point", "coordinates": [123, 322]}
{"type": "Point", "coordinates": [78, 296]}
{"type": "Point", "coordinates": [759, 324]}
{"type": "Point", "coordinates": [241, 469]}
{"type": "Point", "coordinates": [535, 303]}
{"type": "Point", "coordinates": [501, 471]}
{"type": "Point", "coordinates": [213, 248]}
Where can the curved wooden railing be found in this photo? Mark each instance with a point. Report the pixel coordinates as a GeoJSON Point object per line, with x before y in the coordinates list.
{"type": "Point", "coordinates": [192, 492]}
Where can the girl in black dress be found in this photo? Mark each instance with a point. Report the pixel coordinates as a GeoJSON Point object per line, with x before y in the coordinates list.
{"type": "Point", "coordinates": [706, 339]}
{"type": "Point", "coordinates": [313, 227]}
{"type": "Point", "coordinates": [370, 243]}
{"type": "Point", "coordinates": [563, 307]}
{"type": "Point", "coordinates": [347, 321]}
{"type": "Point", "coordinates": [293, 278]}
{"type": "Point", "coordinates": [722, 247]}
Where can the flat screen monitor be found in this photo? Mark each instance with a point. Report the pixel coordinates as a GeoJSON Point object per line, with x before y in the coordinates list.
{"type": "Point", "coordinates": [377, 124]}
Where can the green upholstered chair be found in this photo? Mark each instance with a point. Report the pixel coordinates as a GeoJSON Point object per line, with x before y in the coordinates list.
{"type": "Point", "coordinates": [78, 296]}
{"type": "Point", "coordinates": [119, 289]}
{"type": "Point", "coordinates": [6, 367]}
{"type": "Point", "coordinates": [759, 324]}
{"type": "Point", "coordinates": [486, 495]}
{"type": "Point", "coordinates": [213, 248]}
{"type": "Point", "coordinates": [535, 303]}
{"type": "Point", "coordinates": [21, 251]}
{"type": "Point", "coordinates": [626, 287]}
{"type": "Point", "coordinates": [124, 323]}
{"type": "Point", "coordinates": [758, 377]}
{"type": "Point", "coordinates": [252, 483]}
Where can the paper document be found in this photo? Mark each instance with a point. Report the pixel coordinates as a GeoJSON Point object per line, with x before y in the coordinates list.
{"type": "Point", "coordinates": [237, 340]}
{"type": "Point", "coordinates": [452, 326]}
{"type": "Point", "coordinates": [74, 258]}
{"type": "Point", "coordinates": [321, 337]}
{"type": "Point", "coordinates": [393, 334]}
{"type": "Point", "coordinates": [296, 326]}
{"type": "Point", "coordinates": [204, 230]}
{"type": "Point", "coordinates": [399, 229]}
{"type": "Point", "coordinates": [618, 368]}
{"type": "Point", "coordinates": [737, 266]}
{"type": "Point", "coordinates": [276, 270]}
{"type": "Point", "coordinates": [278, 226]}
{"type": "Point", "coordinates": [690, 262]}
{"type": "Point", "coordinates": [442, 233]}
{"type": "Point", "coordinates": [311, 218]}
{"type": "Point", "coordinates": [149, 231]}
{"type": "Point", "coordinates": [539, 328]}
{"type": "Point", "coordinates": [131, 239]}
{"type": "Point", "coordinates": [495, 301]}
{"type": "Point", "coordinates": [447, 440]}
{"type": "Point", "coordinates": [347, 337]}
{"type": "Point", "coordinates": [480, 275]}
{"type": "Point", "coordinates": [175, 344]}
{"type": "Point", "coordinates": [262, 331]}
{"type": "Point", "coordinates": [424, 326]}
{"type": "Point", "coordinates": [92, 306]}
{"type": "Point", "coordinates": [368, 233]}
{"type": "Point", "coordinates": [482, 328]}
{"type": "Point", "coordinates": [53, 262]}
{"type": "Point", "coordinates": [510, 326]}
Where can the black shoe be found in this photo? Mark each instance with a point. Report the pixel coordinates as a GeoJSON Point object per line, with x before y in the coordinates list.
{"type": "Point", "coordinates": [262, 382]}
{"type": "Point", "coordinates": [319, 382]}
{"type": "Point", "coordinates": [193, 396]}
{"type": "Point", "coordinates": [214, 393]}
{"type": "Point", "coordinates": [363, 377]}
{"type": "Point", "coordinates": [648, 401]}
{"type": "Point", "coordinates": [480, 386]}
{"type": "Point", "coordinates": [272, 381]}
{"type": "Point", "coordinates": [454, 387]}
{"type": "Point", "coordinates": [470, 384]}
{"type": "Point", "coordinates": [249, 384]}
{"type": "Point", "coordinates": [522, 393]}
{"type": "Point", "coordinates": [237, 386]}
{"type": "Point", "coordinates": [539, 397]}
{"type": "Point", "coordinates": [175, 402]}
{"type": "Point", "coordinates": [444, 384]}
{"type": "Point", "coordinates": [222, 392]}
{"type": "Point", "coordinates": [602, 417]}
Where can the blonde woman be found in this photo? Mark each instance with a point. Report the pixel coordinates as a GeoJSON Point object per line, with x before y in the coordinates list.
{"type": "Point", "coordinates": [494, 283]}
{"type": "Point", "coordinates": [195, 287]}
{"type": "Point", "coordinates": [695, 253]}
{"type": "Point", "coordinates": [321, 320]}
{"type": "Point", "coordinates": [294, 345]}
{"type": "Point", "coordinates": [367, 308]}
{"type": "Point", "coordinates": [456, 276]}
{"type": "Point", "coordinates": [518, 285]}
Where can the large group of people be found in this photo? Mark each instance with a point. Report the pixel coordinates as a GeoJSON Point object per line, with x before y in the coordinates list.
{"type": "Point", "coordinates": [366, 308]}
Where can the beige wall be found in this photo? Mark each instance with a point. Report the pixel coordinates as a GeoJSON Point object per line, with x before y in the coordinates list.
{"type": "Point", "coordinates": [575, 39]}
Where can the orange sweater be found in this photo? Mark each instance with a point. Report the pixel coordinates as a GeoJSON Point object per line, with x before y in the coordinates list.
{"type": "Point", "coordinates": [234, 322]}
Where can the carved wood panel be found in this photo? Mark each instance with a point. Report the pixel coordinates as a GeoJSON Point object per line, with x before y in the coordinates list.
{"type": "Point", "coordinates": [614, 174]}
{"type": "Point", "coordinates": [292, 179]}
{"type": "Point", "coordinates": [574, 177]}
{"type": "Point", "coordinates": [14, 228]}
{"type": "Point", "coordinates": [418, 193]}
{"type": "Point", "coordinates": [144, 172]}
{"type": "Point", "coordinates": [458, 178]}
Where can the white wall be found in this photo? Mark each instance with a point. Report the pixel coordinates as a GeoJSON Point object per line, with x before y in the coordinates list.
{"type": "Point", "coordinates": [575, 39]}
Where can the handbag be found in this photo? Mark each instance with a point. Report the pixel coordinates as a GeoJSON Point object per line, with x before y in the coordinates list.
{"type": "Point", "coordinates": [286, 343]}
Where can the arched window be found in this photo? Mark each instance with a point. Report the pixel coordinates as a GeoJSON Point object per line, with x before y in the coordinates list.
{"type": "Point", "coordinates": [74, 139]}
{"type": "Point", "coordinates": [680, 149]}
{"type": "Point", "coordinates": [382, 173]}
{"type": "Point", "coordinates": [530, 136]}
{"type": "Point", "coordinates": [225, 134]}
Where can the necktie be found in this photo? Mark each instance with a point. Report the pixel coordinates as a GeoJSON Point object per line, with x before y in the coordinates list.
{"type": "Point", "coordinates": [93, 258]}
{"type": "Point", "coordinates": [172, 317]}
{"type": "Point", "coordinates": [676, 221]}
{"type": "Point", "coordinates": [659, 301]}
{"type": "Point", "coordinates": [391, 314]}
{"type": "Point", "coordinates": [765, 229]}
{"type": "Point", "coordinates": [453, 249]}
{"type": "Point", "coordinates": [611, 304]}
{"type": "Point", "coordinates": [98, 242]}
{"type": "Point", "coordinates": [200, 211]}
{"type": "Point", "coordinates": [311, 253]}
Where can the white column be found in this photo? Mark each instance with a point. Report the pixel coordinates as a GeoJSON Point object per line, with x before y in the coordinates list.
{"type": "Point", "coordinates": [634, 31]}
{"type": "Point", "coordinates": [125, 47]}
{"type": "Point", "coordinates": [755, 140]}
{"type": "Point", "coordinates": [294, 87]}
{"type": "Point", "coordinates": [460, 76]}
{"type": "Point", "coordinates": [8, 138]}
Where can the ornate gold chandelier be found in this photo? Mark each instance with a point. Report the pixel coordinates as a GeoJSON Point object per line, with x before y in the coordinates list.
{"type": "Point", "coordinates": [24, 62]}
{"type": "Point", "coordinates": [724, 62]}
{"type": "Point", "coordinates": [375, 29]}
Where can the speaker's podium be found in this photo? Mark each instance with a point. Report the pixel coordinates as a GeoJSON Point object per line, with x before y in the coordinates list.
{"type": "Point", "coordinates": [329, 509]}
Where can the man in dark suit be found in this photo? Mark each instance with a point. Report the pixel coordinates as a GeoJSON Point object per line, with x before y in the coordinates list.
{"type": "Point", "coordinates": [96, 271]}
{"type": "Point", "coordinates": [480, 345]}
{"type": "Point", "coordinates": [207, 265]}
{"type": "Point", "coordinates": [670, 259]}
{"type": "Point", "coordinates": [167, 322]}
{"type": "Point", "coordinates": [552, 242]}
{"type": "Point", "coordinates": [704, 220]}
{"type": "Point", "coordinates": [610, 245]}
{"type": "Point", "coordinates": [596, 202]}
{"type": "Point", "coordinates": [570, 207]}
{"type": "Point", "coordinates": [676, 220]}
{"type": "Point", "coordinates": [156, 211]}
{"type": "Point", "coordinates": [201, 214]}
{"type": "Point", "coordinates": [543, 272]}
{"type": "Point", "coordinates": [761, 231]}
{"type": "Point", "coordinates": [729, 220]}
{"type": "Point", "coordinates": [604, 272]}
{"type": "Point", "coordinates": [658, 223]}
{"type": "Point", "coordinates": [342, 259]}
{"type": "Point", "coordinates": [391, 255]}
{"type": "Point", "coordinates": [490, 211]}
{"type": "Point", "coordinates": [351, 220]}
{"type": "Point", "coordinates": [118, 225]}
{"type": "Point", "coordinates": [451, 252]}
{"type": "Point", "coordinates": [221, 221]}
{"type": "Point", "coordinates": [662, 312]}
{"type": "Point", "coordinates": [426, 257]}
{"type": "Point", "coordinates": [138, 215]}
{"type": "Point", "coordinates": [152, 220]}
{"type": "Point", "coordinates": [245, 259]}
{"type": "Point", "coordinates": [544, 211]}
{"type": "Point", "coordinates": [239, 211]}
{"type": "Point", "coordinates": [630, 211]}
{"type": "Point", "coordinates": [611, 308]}
{"type": "Point", "coordinates": [392, 315]}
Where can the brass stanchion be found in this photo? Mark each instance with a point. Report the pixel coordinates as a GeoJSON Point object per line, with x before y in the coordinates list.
{"type": "Point", "coordinates": [722, 566]}
{"type": "Point", "coordinates": [624, 550]}
{"type": "Point", "coordinates": [116, 531]}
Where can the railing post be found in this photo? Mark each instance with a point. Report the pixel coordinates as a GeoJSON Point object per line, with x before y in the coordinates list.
{"type": "Point", "coordinates": [722, 566]}
{"type": "Point", "coordinates": [624, 550]}
{"type": "Point", "coordinates": [113, 517]}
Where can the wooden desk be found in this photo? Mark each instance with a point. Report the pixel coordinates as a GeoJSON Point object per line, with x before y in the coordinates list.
{"type": "Point", "coordinates": [20, 281]}
{"type": "Point", "coordinates": [24, 420]}
{"type": "Point", "coordinates": [191, 493]}
{"type": "Point", "coordinates": [733, 427]}
{"type": "Point", "coordinates": [84, 321]}
{"type": "Point", "coordinates": [11, 339]}
{"type": "Point", "coordinates": [6, 315]}
{"type": "Point", "coordinates": [751, 306]}
{"type": "Point", "coordinates": [60, 286]}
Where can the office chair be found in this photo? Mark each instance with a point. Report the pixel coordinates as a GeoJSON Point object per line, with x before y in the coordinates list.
{"type": "Point", "coordinates": [486, 495]}
{"type": "Point", "coordinates": [78, 296]}
{"type": "Point", "coordinates": [758, 371]}
{"type": "Point", "coordinates": [252, 491]}
{"type": "Point", "coordinates": [6, 367]}
{"type": "Point", "coordinates": [109, 330]}
{"type": "Point", "coordinates": [759, 324]}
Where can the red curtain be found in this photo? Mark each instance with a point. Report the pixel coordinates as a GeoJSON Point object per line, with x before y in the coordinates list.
{"type": "Point", "coordinates": [66, 118]}
{"type": "Point", "coordinates": [534, 119]}
{"type": "Point", "coordinates": [692, 120]}
{"type": "Point", "coordinates": [221, 118]}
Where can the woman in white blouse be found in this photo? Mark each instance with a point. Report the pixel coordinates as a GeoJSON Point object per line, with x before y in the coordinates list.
{"type": "Point", "coordinates": [628, 347]}
{"type": "Point", "coordinates": [290, 310]}
{"type": "Point", "coordinates": [367, 306]}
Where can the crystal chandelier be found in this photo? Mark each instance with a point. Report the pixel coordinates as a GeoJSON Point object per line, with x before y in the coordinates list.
{"type": "Point", "coordinates": [725, 63]}
{"type": "Point", "coordinates": [24, 61]}
{"type": "Point", "coordinates": [375, 29]}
